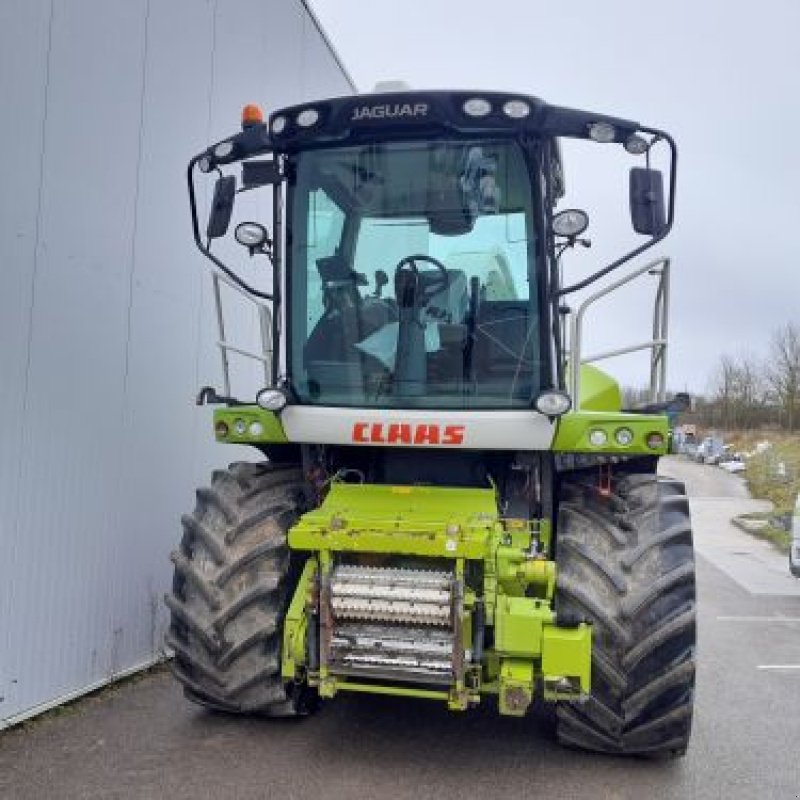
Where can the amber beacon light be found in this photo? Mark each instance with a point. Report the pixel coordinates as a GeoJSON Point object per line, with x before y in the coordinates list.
{"type": "Point", "coordinates": [252, 115]}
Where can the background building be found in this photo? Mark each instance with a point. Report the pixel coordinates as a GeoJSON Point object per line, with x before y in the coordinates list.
{"type": "Point", "coordinates": [106, 322]}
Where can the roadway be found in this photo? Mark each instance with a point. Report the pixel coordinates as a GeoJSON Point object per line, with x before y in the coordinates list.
{"type": "Point", "coordinates": [142, 740]}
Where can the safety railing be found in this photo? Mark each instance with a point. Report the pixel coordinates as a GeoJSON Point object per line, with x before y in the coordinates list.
{"type": "Point", "coordinates": [657, 345]}
{"type": "Point", "coordinates": [226, 347]}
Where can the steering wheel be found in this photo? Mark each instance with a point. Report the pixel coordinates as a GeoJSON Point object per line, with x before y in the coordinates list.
{"type": "Point", "coordinates": [409, 287]}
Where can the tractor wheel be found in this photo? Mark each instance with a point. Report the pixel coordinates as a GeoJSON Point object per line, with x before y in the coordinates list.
{"type": "Point", "coordinates": [626, 564]}
{"type": "Point", "coordinates": [232, 584]}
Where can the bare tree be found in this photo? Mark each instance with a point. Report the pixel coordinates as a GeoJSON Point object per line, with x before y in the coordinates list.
{"type": "Point", "coordinates": [783, 370]}
{"type": "Point", "coordinates": [738, 392]}
{"type": "Point", "coordinates": [724, 391]}
{"type": "Point", "coordinates": [749, 390]}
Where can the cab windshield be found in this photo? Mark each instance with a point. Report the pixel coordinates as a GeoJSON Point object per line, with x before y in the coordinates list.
{"type": "Point", "coordinates": [412, 276]}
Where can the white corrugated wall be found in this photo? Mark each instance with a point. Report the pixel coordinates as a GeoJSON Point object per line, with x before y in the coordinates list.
{"type": "Point", "coordinates": [106, 326]}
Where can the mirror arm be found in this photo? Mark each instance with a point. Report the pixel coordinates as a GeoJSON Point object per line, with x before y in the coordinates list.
{"type": "Point", "coordinates": [205, 248]}
{"type": "Point", "coordinates": [659, 135]}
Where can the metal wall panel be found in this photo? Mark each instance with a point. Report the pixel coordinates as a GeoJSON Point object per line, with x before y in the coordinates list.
{"type": "Point", "coordinates": [106, 326]}
{"type": "Point", "coordinates": [24, 42]}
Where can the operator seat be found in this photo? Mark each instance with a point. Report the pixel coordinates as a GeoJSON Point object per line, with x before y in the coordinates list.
{"type": "Point", "coordinates": [329, 355]}
{"type": "Point", "coordinates": [503, 345]}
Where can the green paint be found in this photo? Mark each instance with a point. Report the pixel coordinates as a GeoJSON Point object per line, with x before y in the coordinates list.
{"type": "Point", "coordinates": [599, 391]}
{"type": "Point", "coordinates": [516, 686]}
{"type": "Point", "coordinates": [271, 428]}
{"type": "Point", "coordinates": [396, 691]}
{"type": "Point", "coordinates": [459, 525]}
{"type": "Point", "coordinates": [566, 653]}
{"type": "Point", "coordinates": [518, 626]}
{"type": "Point", "coordinates": [409, 520]}
{"type": "Point", "coordinates": [574, 429]}
{"type": "Point", "coordinates": [293, 653]}
{"type": "Point", "coordinates": [517, 572]}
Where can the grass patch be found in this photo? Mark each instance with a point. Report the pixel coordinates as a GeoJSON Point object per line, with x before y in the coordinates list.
{"type": "Point", "coordinates": [774, 474]}
{"type": "Point", "coordinates": [778, 538]}
{"type": "Point", "coordinates": [762, 529]}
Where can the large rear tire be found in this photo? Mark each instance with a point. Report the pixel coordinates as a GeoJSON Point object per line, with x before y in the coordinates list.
{"type": "Point", "coordinates": [626, 564]}
{"type": "Point", "coordinates": [232, 584]}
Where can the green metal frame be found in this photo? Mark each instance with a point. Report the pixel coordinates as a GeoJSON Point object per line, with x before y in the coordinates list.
{"type": "Point", "coordinates": [461, 526]}
{"type": "Point", "coordinates": [575, 429]}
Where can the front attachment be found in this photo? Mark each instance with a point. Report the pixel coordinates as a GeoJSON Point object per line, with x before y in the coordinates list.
{"type": "Point", "coordinates": [428, 592]}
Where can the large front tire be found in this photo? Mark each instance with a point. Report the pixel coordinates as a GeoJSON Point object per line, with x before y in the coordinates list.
{"type": "Point", "coordinates": [626, 564]}
{"type": "Point", "coordinates": [232, 584]}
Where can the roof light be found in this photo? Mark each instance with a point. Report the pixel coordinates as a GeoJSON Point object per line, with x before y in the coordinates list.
{"type": "Point", "coordinates": [553, 403]}
{"type": "Point", "coordinates": [602, 132]}
{"type": "Point", "coordinates": [252, 115]}
{"type": "Point", "coordinates": [278, 125]}
{"type": "Point", "coordinates": [271, 399]}
{"type": "Point", "coordinates": [204, 164]}
{"type": "Point", "coordinates": [477, 107]}
{"type": "Point", "coordinates": [516, 109]}
{"type": "Point", "coordinates": [636, 145]}
{"type": "Point", "coordinates": [307, 117]}
{"type": "Point", "coordinates": [223, 149]}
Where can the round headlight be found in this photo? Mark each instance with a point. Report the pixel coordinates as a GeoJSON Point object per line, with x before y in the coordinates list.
{"type": "Point", "coordinates": [223, 149]}
{"type": "Point", "coordinates": [516, 109]}
{"type": "Point", "coordinates": [477, 107]}
{"type": "Point", "coordinates": [278, 125]}
{"type": "Point", "coordinates": [623, 436]}
{"type": "Point", "coordinates": [598, 437]}
{"type": "Point", "coordinates": [271, 399]}
{"type": "Point", "coordinates": [570, 222]}
{"type": "Point", "coordinates": [307, 117]}
{"type": "Point", "coordinates": [602, 132]}
{"type": "Point", "coordinates": [636, 145]}
{"type": "Point", "coordinates": [553, 403]}
{"type": "Point", "coordinates": [250, 234]}
{"type": "Point", "coordinates": [240, 427]}
{"type": "Point", "coordinates": [255, 429]}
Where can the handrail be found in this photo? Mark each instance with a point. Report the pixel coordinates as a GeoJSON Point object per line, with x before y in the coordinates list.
{"type": "Point", "coordinates": [225, 347]}
{"type": "Point", "coordinates": [657, 345]}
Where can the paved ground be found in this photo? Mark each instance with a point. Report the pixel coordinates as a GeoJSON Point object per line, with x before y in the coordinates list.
{"type": "Point", "coordinates": [143, 741]}
{"type": "Point", "coordinates": [716, 497]}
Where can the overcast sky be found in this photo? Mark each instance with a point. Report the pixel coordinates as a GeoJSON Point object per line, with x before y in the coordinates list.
{"type": "Point", "coordinates": [722, 77]}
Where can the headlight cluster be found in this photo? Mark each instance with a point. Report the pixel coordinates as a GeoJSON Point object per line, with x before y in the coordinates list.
{"type": "Point", "coordinates": [481, 107]}
{"type": "Point", "coordinates": [241, 428]}
{"type": "Point", "coordinates": [305, 118]}
{"type": "Point", "coordinates": [623, 437]}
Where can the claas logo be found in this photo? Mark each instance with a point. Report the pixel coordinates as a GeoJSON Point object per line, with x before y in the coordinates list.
{"type": "Point", "coordinates": [406, 433]}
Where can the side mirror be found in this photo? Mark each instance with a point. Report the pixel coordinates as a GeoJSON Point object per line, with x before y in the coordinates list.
{"type": "Point", "coordinates": [648, 210]}
{"type": "Point", "coordinates": [221, 207]}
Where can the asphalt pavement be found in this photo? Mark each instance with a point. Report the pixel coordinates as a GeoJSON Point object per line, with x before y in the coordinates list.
{"type": "Point", "coordinates": [141, 740]}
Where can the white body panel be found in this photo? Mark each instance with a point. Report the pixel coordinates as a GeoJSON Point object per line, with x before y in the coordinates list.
{"type": "Point", "coordinates": [478, 430]}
